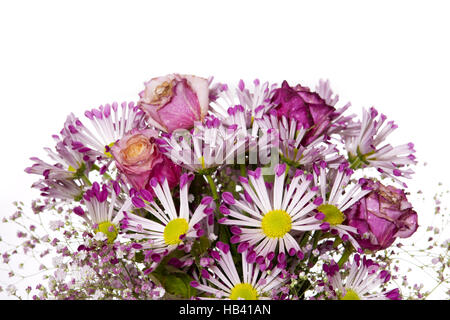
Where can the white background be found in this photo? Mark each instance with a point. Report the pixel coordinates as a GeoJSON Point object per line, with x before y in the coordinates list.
{"type": "Point", "coordinates": [58, 57]}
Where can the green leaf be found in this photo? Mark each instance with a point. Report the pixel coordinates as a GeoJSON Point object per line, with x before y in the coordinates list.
{"type": "Point", "coordinates": [139, 257]}
{"type": "Point", "coordinates": [179, 285]}
{"type": "Point", "coordinates": [224, 234]}
{"type": "Point", "coordinates": [163, 269]}
{"type": "Point", "coordinates": [200, 247]}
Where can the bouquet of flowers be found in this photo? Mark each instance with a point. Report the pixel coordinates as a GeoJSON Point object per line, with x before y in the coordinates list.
{"type": "Point", "coordinates": [204, 190]}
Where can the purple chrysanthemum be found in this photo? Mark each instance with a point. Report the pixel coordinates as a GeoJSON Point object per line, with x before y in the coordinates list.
{"type": "Point", "coordinates": [223, 281]}
{"type": "Point", "coordinates": [366, 149]}
{"type": "Point", "coordinates": [364, 281]}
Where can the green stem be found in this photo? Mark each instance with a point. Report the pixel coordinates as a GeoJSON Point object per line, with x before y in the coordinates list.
{"type": "Point", "coordinates": [316, 237]}
{"type": "Point", "coordinates": [213, 187]}
{"type": "Point", "coordinates": [337, 242]}
{"type": "Point", "coordinates": [304, 240]}
{"type": "Point", "coordinates": [243, 170]}
{"type": "Point", "coordinates": [312, 260]}
{"type": "Point", "coordinates": [224, 234]}
{"type": "Point", "coordinates": [356, 163]}
{"type": "Point", "coordinates": [286, 172]}
{"type": "Point", "coordinates": [347, 252]}
{"type": "Point", "coordinates": [86, 180]}
{"type": "Point", "coordinates": [97, 168]}
{"type": "Point", "coordinates": [441, 282]}
{"type": "Point", "coordinates": [129, 275]}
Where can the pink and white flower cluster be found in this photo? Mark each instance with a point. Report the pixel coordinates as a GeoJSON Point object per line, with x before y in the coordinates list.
{"type": "Point", "coordinates": [206, 190]}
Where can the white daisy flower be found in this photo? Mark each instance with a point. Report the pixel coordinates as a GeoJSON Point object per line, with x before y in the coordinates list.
{"type": "Point", "coordinates": [365, 148]}
{"type": "Point", "coordinates": [65, 179]}
{"type": "Point", "coordinates": [363, 281]}
{"type": "Point", "coordinates": [69, 163]}
{"type": "Point", "coordinates": [104, 210]}
{"type": "Point", "coordinates": [254, 101]}
{"type": "Point", "coordinates": [207, 147]}
{"type": "Point", "coordinates": [338, 194]}
{"type": "Point", "coordinates": [323, 89]}
{"type": "Point", "coordinates": [340, 124]}
{"type": "Point", "coordinates": [168, 227]}
{"type": "Point", "coordinates": [289, 142]}
{"type": "Point", "coordinates": [224, 282]}
{"type": "Point", "coordinates": [109, 123]}
{"type": "Point", "coordinates": [265, 218]}
{"type": "Point", "coordinates": [63, 189]}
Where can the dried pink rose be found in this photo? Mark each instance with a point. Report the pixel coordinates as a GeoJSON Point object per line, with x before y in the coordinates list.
{"type": "Point", "coordinates": [382, 216]}
{"type": "Point", "coordinates": [175, 101]}
{"type": "Point", "coordinates": [306, 107]}
{"type": "Point", "coordinates": [137, 156]}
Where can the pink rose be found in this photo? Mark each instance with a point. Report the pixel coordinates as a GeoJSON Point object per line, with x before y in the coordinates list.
{"type": "Point", "coordinates": [175, 101]}
{"type": "Point", "coordinates": [382, 216]}
{"type": "Point", "coordinates": [306, 107]}
{"type": "Point", "coordinates": [137, 156]}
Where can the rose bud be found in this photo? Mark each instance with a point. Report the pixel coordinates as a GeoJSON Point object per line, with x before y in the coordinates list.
{"type": "Point", "coordinates": [304, 106]}
{"type": "Point", "coordinates": [382, 216]}
{"type": "Point", "coordinates": [175, 101]}
{"type": "Point", "coordinates": [137, 156]}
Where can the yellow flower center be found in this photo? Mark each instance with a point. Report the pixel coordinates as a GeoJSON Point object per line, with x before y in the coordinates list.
{"type": "Point", "coordinates": [276, 223]}
{"type": "Point", "coordinates": [350, 295]}
{"type": "Point", "coordinates": [333, 215]}
{"type": "Point", "coordinates": [174, 229]}
{"type": "Point", "coordinates": [107, 153]}
{"type": "Point", "coordinates": [244, 291]}
{"type": "Point", "coordinates": [105, 228]}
